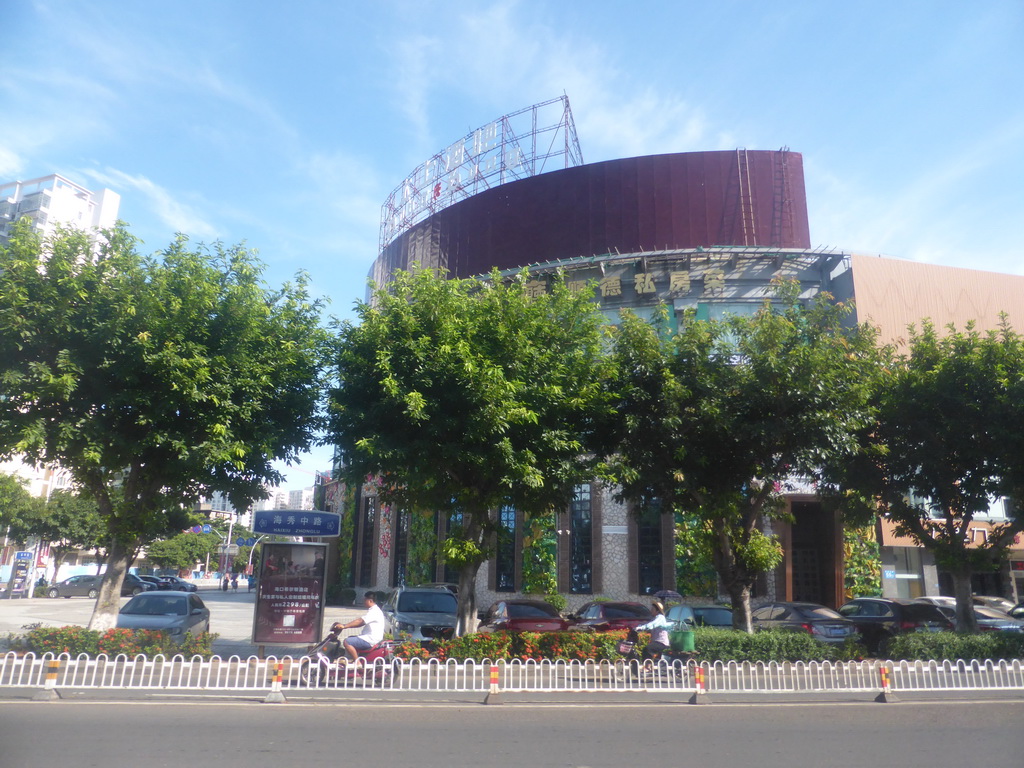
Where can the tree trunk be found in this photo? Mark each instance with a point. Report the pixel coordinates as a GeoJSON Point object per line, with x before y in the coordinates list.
{"type": "Point", "coordinates": [966, 621]}
{"type": "Point", "coordinates": [739, 593]}
{"type": "Point", "coordinates": [108, 603]}
{"type": "Point", "coordinates": [467, 619]}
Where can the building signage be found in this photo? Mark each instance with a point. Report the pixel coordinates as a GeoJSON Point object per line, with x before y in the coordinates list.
{"type": "Point", "coordinates": [20, 583]}
{"type": "Point", "coordinates": [290, 594]}
{"type": "Point", "coordinates": [501, 151]}
{"type": "Point", "coordinates": [297, 522]}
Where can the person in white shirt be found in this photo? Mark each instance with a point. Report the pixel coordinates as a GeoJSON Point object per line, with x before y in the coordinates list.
{"type": "Point", "coordinates": [372, 623]}
{"type": "Point", "coordinates": [658, 627]}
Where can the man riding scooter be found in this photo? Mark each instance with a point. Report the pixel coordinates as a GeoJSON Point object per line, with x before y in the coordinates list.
{"type": "Point", "coordinates": [372, 623]}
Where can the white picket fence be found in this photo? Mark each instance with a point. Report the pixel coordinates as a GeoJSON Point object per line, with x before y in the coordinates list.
{"type": "Point", "coordinates": [291, 674]}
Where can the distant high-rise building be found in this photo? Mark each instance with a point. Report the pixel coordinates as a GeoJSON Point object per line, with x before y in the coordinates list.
{"type": "Point", "coordinates": [53, 200]}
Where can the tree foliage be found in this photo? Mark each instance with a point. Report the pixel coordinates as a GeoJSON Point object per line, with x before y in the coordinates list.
{"type": "Point", "coordinates": [464, 395]}
{"type": "Point", "coordinates": [717, 419]}
{"type": "Point", "coordinates": [946, 440]}
{"type": "Point", "coordinates": [165, 377]}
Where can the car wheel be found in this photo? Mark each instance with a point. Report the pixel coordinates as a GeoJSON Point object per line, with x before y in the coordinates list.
{"type": "Point", "coordinates": [92, 593]}
{"type": "Point", "coordinates": [137, 591]}
{"type": "Point", "coordinates": [52, 593]}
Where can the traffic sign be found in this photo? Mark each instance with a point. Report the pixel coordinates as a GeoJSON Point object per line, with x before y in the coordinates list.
{"type": "Point", "coordinates": [250, 542]}
{"type": "Point", "coordinates": [197, 529]}
{"type": "Point", "coordinates": [297, 522]}
{"type": "Point", "coordinates": [240, 541]}
{"type": "Point", "coordinates": [229, 549]}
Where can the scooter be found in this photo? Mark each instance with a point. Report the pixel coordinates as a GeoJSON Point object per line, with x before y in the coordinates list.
{"type": "Point", "coordinates": [328, 662]}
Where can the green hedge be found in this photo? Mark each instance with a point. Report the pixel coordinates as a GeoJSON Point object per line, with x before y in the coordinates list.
{"type": "Point", "coordinates": [711, 645]}
{"type": "Point", "coordinates": [131, 642]}
{"type": "Point", "coordinates": [925, 646]}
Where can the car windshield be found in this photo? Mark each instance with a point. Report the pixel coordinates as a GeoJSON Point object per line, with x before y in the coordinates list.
{"type": "Point", "coordinates": [624, 611]}
{"type": "Point", "coordinates": [427, 602]}
{"type": "Point", "coordinates": [531, 611]}
{"type": "Point", "coordinates": [155, 605]}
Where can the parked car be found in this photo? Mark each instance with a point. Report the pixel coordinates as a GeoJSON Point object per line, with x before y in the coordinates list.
{"type": "Point", "coordinates": [154, 580]}
{"type": "Point", "coordinates": [823, 623]}
{"type": "Point", "coordinates": [996, 603]}
{"type": "Point", "coordinates": [522, 616]}
{"type": "Point", "coordinates": [937, 600]}
{"type": "Point", "coordinates": [989, 619]}
{"type": "Point", "coordinates": [683, 615]}
{"type": "Point", "coordinates": [89, 586]}
{"type": "Point", "coordinates": [453, 588]}
{"type": "Point", "coordinates": [602, 617]}
{"type": "Point", "coordinates": [1018, 611]}
{"type": "Point", "coordinates": [879, 619]}
{"type": "Point", "coordinates": [177, 583]}
{"type": "Point", "coordinates": [420, 613]}
{"type": "Point", "coordinates": [713, 616]}
{"type": "Point", "coordinates": [177, 613]}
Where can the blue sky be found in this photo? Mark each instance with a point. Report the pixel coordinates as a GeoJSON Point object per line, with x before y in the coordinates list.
{"type": "Point", "coordinates": [286, 125]}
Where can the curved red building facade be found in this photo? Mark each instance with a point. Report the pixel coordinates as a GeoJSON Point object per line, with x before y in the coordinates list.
{"type": "Point", "coordinates": [632, 205]}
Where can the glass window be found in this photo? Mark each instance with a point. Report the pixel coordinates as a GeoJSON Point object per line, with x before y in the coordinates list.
{"type": "Point", "coordinates": [505, 554]}
{"type": "Point", "coordinates": [581, 542]}
{"type": "Point", "coordinates": [649, 550]}
{"type": "Point", "coordinates": [366, 544]}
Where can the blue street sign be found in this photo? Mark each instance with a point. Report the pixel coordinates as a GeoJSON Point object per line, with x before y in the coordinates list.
{"type": "Point", "coordinates": [22, 555]}
{"type": "Point", "coordinates": [207, 528]}
{"type": "Point", "coordinates": [240, 541]}
{"type": "Point", "coordinates": [197, 529]}
{"type": "Point", "coordinates": [250, 542]}
{"type": "Point", "coordinates": [297, 522]}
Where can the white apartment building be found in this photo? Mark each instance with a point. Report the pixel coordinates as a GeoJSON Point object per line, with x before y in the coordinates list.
{"type": "Point", "coordinates": [52, 200]}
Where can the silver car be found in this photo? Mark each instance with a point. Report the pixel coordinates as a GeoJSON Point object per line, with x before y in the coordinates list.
{"type": "Point", "coordinates": [176, 613]}
{"type": "Point", "coordinates": [420, 613]}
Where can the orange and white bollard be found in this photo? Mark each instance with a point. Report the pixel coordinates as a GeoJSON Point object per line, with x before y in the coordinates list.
{"type": "Point", "coordinates": [700, 693]}
{"type": "Point", "coordinates": [49, 692]}
{"type": "Point", "coordinates": [494, 695]}
{"type": "Point", "coordinates": [276, 695]}
{"type": "Point", "coordinates": [885, 696]}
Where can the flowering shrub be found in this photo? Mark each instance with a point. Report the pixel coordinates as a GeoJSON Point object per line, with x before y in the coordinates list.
{"type": "Point", "coordinates": [411, 649]}
{"type": "Point", "coordinates": [114, 642]}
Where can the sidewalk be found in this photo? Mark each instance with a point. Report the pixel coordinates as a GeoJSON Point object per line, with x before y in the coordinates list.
{"type": "Point", "coordinates": [231, 617]}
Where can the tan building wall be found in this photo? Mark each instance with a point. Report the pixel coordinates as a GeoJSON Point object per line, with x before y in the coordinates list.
{"type": "Point", "coordinates": [892, 294]}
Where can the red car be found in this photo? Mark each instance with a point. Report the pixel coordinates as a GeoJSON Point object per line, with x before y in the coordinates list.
{"type": "Point", "coordinates": [603, 617]}
{"type": "Point", "coordinates": [522, 616]}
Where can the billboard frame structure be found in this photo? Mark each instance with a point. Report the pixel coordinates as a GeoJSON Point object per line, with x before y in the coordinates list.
{"type": "Point", "coordinates": [515, 146]}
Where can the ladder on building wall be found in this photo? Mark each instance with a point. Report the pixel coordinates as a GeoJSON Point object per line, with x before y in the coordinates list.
{"type": "Point", "coordinates": [746, 196]}
{"type": "Point", "coordinates": [782, 206]}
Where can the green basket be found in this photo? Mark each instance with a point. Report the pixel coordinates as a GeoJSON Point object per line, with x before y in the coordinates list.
{"type": "Point", "coordinates": [681, 641]}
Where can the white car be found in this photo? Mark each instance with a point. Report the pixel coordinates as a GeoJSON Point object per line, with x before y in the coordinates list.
{"type": "Point", "coordinates": [176, 613]}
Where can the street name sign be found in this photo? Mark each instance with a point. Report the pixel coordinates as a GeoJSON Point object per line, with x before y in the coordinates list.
{"type": "Point", "coordinates": [297, 522]}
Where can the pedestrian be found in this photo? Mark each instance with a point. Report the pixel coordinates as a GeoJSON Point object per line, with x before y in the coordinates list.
{"type": "Point", "coordinates": [224, 584]}
{"type": "Point", "coordinates": [234, 582]}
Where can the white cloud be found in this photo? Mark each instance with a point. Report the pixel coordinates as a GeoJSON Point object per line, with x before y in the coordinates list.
{"type": "Point", "coordinates": [171, 210]}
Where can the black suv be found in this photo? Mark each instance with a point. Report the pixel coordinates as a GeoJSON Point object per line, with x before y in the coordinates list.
{"type": "Point", "coordinates": [879, 619]}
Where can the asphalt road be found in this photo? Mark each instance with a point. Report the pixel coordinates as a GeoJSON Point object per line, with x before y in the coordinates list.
{"type": "Point", "coordinates": [226, 735]}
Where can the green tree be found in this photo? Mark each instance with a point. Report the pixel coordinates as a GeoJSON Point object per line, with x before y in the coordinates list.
{"type": "Point", "coordinates": [153, 380]}
{"type": "Point", "coordinates": [945, 442]}
{"type": "Point", "coordinates": [464, 395]}
{"type": "Point", "coordinates": [184, 550]}
{"type": "Point", "coordinates": [716, 419]}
